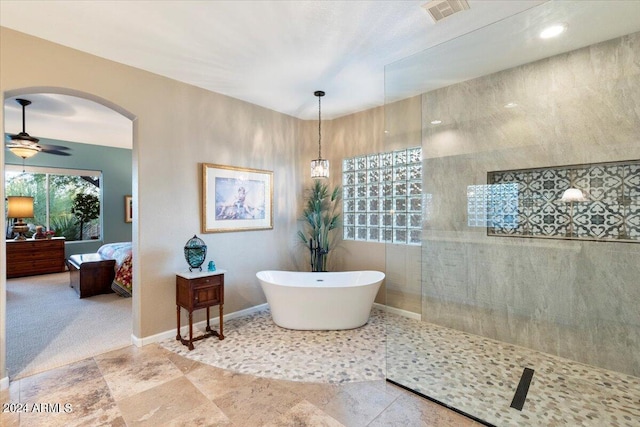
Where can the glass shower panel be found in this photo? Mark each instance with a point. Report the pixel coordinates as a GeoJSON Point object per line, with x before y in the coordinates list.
{"type": "Point", "coordinates": [512, 328]}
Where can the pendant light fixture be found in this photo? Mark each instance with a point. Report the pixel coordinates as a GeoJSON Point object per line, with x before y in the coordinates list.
{"type": "Point", "coordinates": [320, 166]}
{"type": "Point", "coordinates": [22, 144]}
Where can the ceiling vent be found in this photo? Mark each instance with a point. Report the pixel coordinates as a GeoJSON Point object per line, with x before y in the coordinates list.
{"type": "Point", "coordinates": [440, 9]}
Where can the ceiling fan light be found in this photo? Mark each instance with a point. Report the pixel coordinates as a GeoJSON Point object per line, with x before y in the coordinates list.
{"type": "Point", "coordinates": [24, 151]}
{"type": "Point", "coordinates": [22, 144]}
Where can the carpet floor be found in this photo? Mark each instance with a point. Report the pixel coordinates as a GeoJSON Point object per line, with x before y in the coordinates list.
{"type": "Point", "coordinates": [49, 326]}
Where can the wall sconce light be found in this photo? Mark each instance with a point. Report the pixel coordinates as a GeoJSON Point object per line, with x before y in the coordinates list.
{"type": "Point", "coordinates": [18, 208]}
{"type": "Point", "coordinates": [571, 195]}
{"type": "Point", "coordinates": [320, 166]}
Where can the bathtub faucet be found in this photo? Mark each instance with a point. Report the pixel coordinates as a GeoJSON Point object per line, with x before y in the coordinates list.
{"type": "Point", "coordinates": [318, 256]}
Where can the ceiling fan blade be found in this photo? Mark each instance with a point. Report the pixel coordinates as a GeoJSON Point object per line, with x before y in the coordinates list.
{"type": "Point", "coordinates": [53, 147]}
{"type": "Point", "coordinates": [55, 152]}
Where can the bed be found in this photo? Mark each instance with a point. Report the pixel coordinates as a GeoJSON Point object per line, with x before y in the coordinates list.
{"type": "Point", "coordinates": [121, 252]}
{"type": "Point", "coordinates": [105, 271]}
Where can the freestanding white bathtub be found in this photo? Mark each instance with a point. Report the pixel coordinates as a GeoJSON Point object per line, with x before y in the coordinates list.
{"type": "Point", "coordinates": [320, 301]}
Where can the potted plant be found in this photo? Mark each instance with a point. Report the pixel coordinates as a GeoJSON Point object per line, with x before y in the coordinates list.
{"type": "Point", "coordinates": [321, 215]}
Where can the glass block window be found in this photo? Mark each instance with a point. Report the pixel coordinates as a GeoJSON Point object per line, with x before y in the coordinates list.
{"type": "Point", "coordinates": [494, 205]}
{"type": "Point", "coordinates": [382, 199]}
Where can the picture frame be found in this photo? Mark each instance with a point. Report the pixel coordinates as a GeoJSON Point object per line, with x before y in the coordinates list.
{"type": "Point", "coordinates": [236, 199]}
{"type": "Point", "coordinates": [128, 209]}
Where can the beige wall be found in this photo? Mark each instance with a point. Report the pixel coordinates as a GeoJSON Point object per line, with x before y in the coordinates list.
{"type": "Point", "coordinates": [177, 126]}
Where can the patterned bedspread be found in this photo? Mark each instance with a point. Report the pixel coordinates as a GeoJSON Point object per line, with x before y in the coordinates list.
{"type": "Point", "coordinates": [121, 252]}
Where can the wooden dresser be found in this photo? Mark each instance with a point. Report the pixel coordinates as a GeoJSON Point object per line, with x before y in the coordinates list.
{"type": "Point", "coordinates": [31, 257]}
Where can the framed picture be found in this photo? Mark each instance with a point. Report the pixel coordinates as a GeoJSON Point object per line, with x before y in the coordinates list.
{"type": "Point", "coordinates": [236, 199]}
{"type": "Point", "coordinates": [128, 209]}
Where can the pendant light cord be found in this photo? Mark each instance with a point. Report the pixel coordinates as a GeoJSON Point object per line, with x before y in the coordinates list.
{"type": "Point", "coordinates": [319, 128]}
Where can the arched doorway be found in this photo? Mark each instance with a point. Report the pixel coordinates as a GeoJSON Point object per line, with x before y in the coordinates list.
{"type": "Point", "coordinates": [60, 106]}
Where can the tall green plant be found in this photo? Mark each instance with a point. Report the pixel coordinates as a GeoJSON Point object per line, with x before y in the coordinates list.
{"type": "Point", "coordinates": [321, 215]}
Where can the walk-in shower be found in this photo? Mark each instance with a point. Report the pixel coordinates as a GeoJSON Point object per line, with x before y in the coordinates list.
{"type": "Point", "coordinates": [528, 300]}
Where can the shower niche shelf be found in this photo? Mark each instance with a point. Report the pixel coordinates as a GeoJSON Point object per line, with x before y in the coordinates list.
{"type": "Point", "coordinates": [530, 202]}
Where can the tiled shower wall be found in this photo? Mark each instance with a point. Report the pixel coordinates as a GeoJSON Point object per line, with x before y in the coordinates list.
{"type": "Point", "coordinates": [572, 298]}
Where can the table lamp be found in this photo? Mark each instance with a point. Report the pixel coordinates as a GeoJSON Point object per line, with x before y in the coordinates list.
{"type": "Point", "coordinates": [18, 208]}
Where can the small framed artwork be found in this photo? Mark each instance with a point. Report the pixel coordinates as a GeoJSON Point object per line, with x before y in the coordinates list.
{"type": "Point", "coordinates": [128, 209]}
{"type": "Point", "coordinates": [236, 199]}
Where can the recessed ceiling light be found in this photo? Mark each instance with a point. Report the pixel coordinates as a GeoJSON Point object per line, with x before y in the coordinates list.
{"type": "Point", "coordinates": [510, 105]}
{"type": "Point", "coordinates": [553, 31]}
{"type": "Point", "coordinates": [436, 122]}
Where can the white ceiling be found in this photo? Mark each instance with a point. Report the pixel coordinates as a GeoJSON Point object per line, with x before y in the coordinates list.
{"type": "Point", "coordinates": [270, 53]}
{"type": "Point", "coordinates": [69, 118]}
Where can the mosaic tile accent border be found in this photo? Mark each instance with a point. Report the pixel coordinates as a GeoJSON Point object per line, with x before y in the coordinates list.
{"type": "Point", "coordinates": [527, 202]}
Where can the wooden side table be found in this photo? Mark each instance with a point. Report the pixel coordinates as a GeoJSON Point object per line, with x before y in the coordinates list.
{"type": "Point", "coordinates": [196, 290]}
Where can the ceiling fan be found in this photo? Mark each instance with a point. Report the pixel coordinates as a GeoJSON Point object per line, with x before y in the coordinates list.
{"type": "Point", "coordinates": [25, 146]}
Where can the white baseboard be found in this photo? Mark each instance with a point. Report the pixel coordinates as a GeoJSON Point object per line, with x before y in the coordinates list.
{"type": "Point", "coordinates": [398, 311]}
{"type": "Point", "coordinates": [4, 383]}
{"type": "Point", "coordinates": [139, 342]}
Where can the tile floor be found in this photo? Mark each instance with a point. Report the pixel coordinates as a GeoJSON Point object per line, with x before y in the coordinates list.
{"type": "Point", "coordinates": [474, 374]}
{"type": "Point", "coordinates": [479, 376]}
{"type": "Point", "coordinates": [254, 345]}
{"type": "Point", "coordinates": [262, 375]}
{"type": "Point", "coordinates": [156, 387]}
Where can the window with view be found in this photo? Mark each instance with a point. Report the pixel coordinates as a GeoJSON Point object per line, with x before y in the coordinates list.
{"type": "Point", "coordinates": [66, 201]}
{"type": "Point", "coordinates": [383, 197]}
